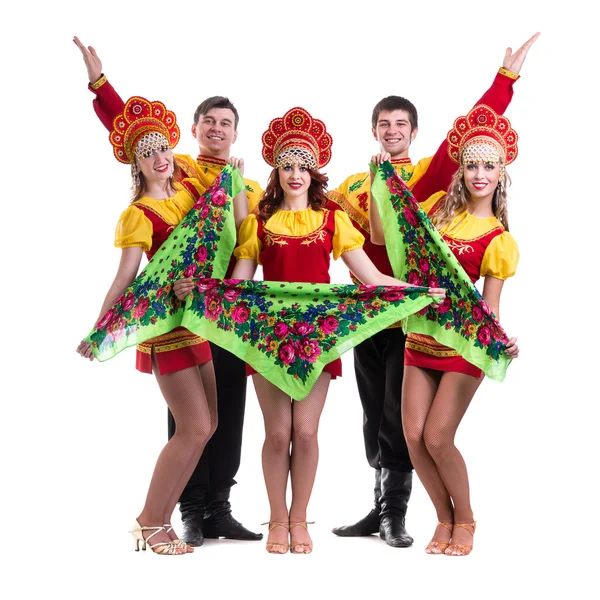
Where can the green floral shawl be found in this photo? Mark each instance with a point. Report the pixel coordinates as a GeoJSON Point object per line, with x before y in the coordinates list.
{"type": "Point", "coordinates": [420, 256]}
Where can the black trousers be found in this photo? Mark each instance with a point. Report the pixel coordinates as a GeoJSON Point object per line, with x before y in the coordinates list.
{"type": "Point", "coordinates": [220, 460]}
{"type": "Point", "coordinates": [379, 367]}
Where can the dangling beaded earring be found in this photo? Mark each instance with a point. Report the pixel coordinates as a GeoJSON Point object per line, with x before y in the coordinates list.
{"type": "Point", "coordinates": [501, 180]}
{"type": "Point", "coordinates": [461, 173]}
{"type": "Point", "coordinates": [135, 174]}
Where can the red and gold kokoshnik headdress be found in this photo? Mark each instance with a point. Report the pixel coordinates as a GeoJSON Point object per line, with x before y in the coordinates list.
{"type": "Point", "coordinates": [147, 124]}
{"type": "Point", "coordinates": [482, 136]}
{"type": "Point", "coordinates": [297, 138]}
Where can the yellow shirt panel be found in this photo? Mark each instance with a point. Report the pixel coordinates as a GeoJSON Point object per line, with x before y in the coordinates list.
{"type": "Point", "coordinates": [206, 172]}
{"type": "Point", "coordinates": [428, 204]}
{"type": "Point", "coordinates": [353, 194]}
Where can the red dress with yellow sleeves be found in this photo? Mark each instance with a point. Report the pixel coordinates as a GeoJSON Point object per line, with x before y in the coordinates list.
{"type": "Point", "coordinates": [483, 248]}
{"type": "Point", "coordinates": [148, 223]}
{"type": "Point", "coordinates": [296, 246]}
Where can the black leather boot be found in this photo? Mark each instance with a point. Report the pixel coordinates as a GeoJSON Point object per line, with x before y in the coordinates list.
{"type": "Point", "coordinates": [369, 524]}
{"type": "Point", "coordinates": [395, 492]}
{"type": "Point", "coordinates": [192, 506]}
{"type": "Point", "coordinates": [219, 522]}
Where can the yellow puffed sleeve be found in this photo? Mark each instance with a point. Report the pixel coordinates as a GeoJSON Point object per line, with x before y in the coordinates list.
{"type": "Point", "coordinates": [346, 236]}
{"type": "Point", "coordinates": [501, 257]}
{"type": "Point", "coordinates": [134, 229]}
{"type": "Point", "coordinates": [249, 246]}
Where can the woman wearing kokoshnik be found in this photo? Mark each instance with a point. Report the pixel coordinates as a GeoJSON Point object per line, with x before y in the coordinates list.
{"type": "Point", "coordinates": [439, 382]}
{"type": "Point", "coordinates": [292, 237]}
{"type": "Point", "coordinates": [144, 136]}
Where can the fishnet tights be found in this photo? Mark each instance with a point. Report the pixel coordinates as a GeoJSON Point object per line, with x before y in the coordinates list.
{"type": "Point", "coordinates": [433, 405]}
{"type": "Point", "coordinates": [191, 396]}
{"type": "Point", "coordinates": [290, 423]}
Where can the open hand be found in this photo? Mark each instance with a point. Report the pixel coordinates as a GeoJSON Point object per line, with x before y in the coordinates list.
{"type": "Point", "coordinates": [514, 61]}
{"type": "Point", "coordinates": [92, 62]}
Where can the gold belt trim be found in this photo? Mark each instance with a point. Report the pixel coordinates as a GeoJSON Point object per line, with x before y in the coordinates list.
{"type": "Point", "coordinates": [174, 340]}
{"type": "Point", "coordinates": [427, 345]}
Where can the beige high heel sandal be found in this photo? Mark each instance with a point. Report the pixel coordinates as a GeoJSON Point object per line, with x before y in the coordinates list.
{"type": "Point", "coordinates": [271, 545]}
{"type": "Point", "coordinates": [168, 527]}
{"type": "Point", "coordinates": [435, 547]}
{"type": "Point", "coordinates": [294, 544]}
{"type": "Point", "coordinates": [462, 549]}
{"type": "Point", "coordinates": [165, 548]}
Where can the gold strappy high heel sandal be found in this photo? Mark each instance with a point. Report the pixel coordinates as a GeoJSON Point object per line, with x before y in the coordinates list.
{"type": "Point", "coordinates": [168, 528]}
{"type": "Point", "coordinates": [294, 544]}
{"type": "Point", "coordinates": [166, 548]}
{"type": "Point", "coordinates": [435, 547]}
{"type": "Point", "coordinates": [271, 546]}
{"type": "Point", "coordinates": [461, 549]}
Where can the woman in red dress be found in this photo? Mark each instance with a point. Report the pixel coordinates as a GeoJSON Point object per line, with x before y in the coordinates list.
{"type": "Point", "coordinates": [438, 383]}
{"type": "Point", "coordinates": [144, 136]}
{"type": "Point", "coordinates": [292, 237]}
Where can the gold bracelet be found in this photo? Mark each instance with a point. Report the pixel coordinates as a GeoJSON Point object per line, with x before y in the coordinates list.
{"type": "Point", "coordinates": [508, 73]}
{"type": "Point", "coordinates": [98, 83]}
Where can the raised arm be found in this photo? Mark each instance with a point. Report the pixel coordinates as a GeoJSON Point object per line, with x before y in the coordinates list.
{"type": "Point", "coordinates": [499, 95]}
{"type": "Point", "coordinates": [107, 103]}
{"type": "Point", "coordinates": [441, 169]}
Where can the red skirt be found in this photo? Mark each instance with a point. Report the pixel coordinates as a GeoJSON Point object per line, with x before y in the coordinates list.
{"type": "Point", "coordinates": [424, 352]}
{"type": "Point", "coordinates": [333, 368]}
{"type": "Point", "coordinates": [179, 349]}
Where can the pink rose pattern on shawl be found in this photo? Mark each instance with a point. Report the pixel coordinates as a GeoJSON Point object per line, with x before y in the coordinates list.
{"type": "Point", "coordinates": [293, 337]}
{"type": "Point", "coordinates": [464, 309]}
{"type": "Point", "coordinates": [150, 298]}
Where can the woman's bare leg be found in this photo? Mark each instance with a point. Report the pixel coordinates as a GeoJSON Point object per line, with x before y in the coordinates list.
{"type": "Point", "coordinates": [276, 408]}
{"type": "Point", "coordinates": [184, 393]}
{"type": "Point", "coordinates": [305, 455]}
{"type": "Point", "coordinates": [207, 375]}
{"type": "Point", "coordinates": [453, 396]}
{"type": "Point", "coordinates": [418, 392]}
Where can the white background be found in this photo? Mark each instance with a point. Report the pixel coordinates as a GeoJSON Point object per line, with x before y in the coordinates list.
{"type": "Point", "coordinates": [80, 439]}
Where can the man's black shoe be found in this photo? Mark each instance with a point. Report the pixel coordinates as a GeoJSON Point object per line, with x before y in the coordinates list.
{"type": "Point", "coordinates": [193, 524]}
{"type": "Point", "coordinates": [225, 526]}
{"type": "Point", "coordinates": [394, 533]}
{"type": "Point", "coordinates": [366, 526]}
